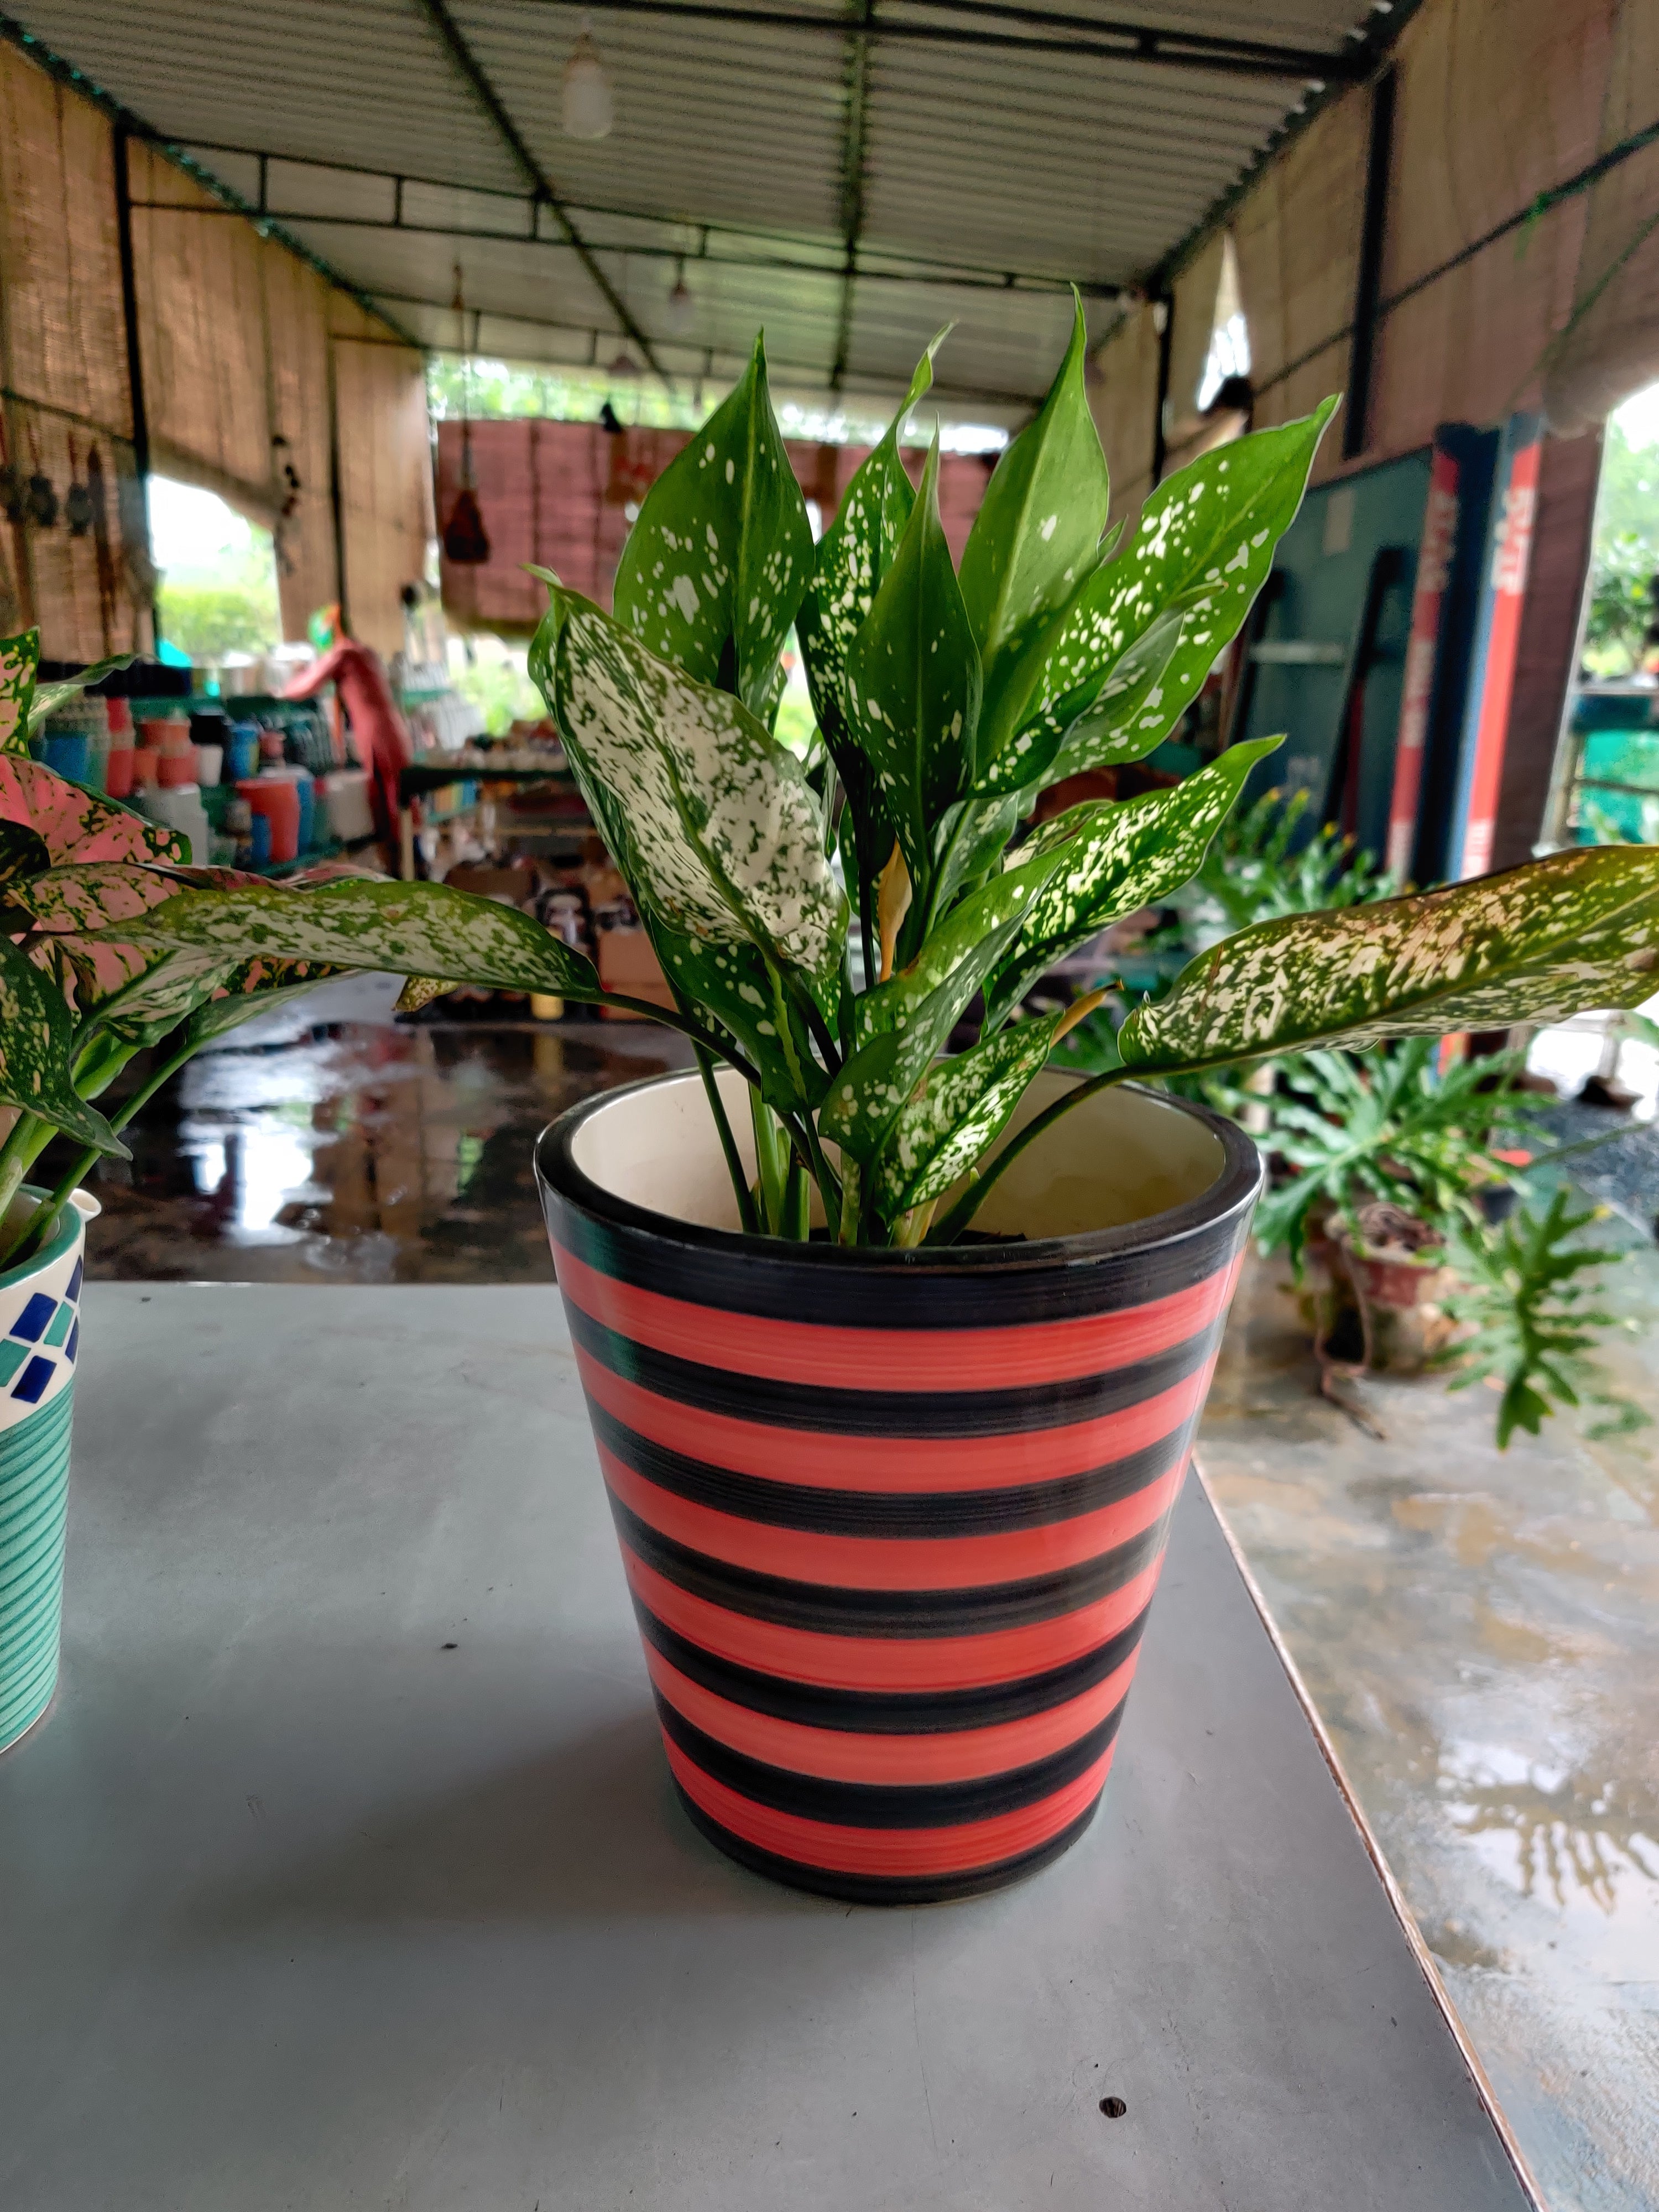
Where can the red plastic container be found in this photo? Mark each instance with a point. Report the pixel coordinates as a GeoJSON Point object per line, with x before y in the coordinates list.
{"type": "Point", "coordinates": [278, 800]}
{"type": "Point", "coordinates": [177, 765]}
{"type": "Point", "coordinates": [118, 774]}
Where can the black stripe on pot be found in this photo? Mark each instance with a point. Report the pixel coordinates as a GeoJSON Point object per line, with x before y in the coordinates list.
{"type": "Point", "coordinates": [935, 1514]}
{"type": "Point", "coordinates": [889, 1712]}
{"type": "Point", "coordinates": [964, 1286]}
{"type": "Point", "coordinates": [834, 1610]}
{"type": "Point", "coordinates": [882, 1889]}
{"type": "Point", "coordinates": [830, 1412]}
{"type": "Point", "coordinates": [883, 1805]}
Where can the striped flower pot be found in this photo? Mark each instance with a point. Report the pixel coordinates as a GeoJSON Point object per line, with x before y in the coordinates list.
{"type": "Point", "coordinates": [40, 1342]}
{"type": "Point", "coordinates": [891, 1520]}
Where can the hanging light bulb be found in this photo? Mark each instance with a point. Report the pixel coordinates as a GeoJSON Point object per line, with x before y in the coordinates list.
{"type": "Point", "coordinates": [681, 306]}
{"type": "Point", "coordinates": [624, 366]}
{"type": "Point", "coordinates": [588, 107]}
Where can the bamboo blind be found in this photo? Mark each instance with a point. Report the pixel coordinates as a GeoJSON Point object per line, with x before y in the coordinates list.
{"type": "Point", "coordinates": [386, 471]}
{"type": "Point", "coordinates": [1124, 397]}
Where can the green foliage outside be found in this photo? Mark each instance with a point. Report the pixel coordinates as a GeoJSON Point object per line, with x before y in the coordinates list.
{"type": "Point", "coordinates": [230, 608]}
{"type": "Point", "coordinates": [1625, 558]}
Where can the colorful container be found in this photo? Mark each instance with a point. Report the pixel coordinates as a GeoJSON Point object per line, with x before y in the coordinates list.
{"type": "Point", "coordinates": [278, 800]}
{"type": "Point", "coordinates": [891, 1522]}
{"type": "Point", "coordinates": [40, 1344]}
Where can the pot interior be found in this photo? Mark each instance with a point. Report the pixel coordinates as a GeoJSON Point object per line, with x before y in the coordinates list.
{"type": "Point", "coordinates": [1122, 1157]}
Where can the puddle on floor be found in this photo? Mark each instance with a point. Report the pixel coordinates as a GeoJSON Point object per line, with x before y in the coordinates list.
{"type": "Point", "coordinates": [325, 1142]}
{"type": "Point", "coordinates": [1481, 1632]}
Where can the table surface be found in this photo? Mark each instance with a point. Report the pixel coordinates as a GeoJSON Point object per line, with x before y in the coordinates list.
{"type": "Point", "coordinates": [345, 1870]}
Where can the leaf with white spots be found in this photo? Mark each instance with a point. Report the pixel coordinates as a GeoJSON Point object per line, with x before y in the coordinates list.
{"type": "Point", "coordinates": [20, 659]}
{"type": "Point", "coordinates": [901, 1027]}
{"type": "Point", "coordinates": [1116, 856]}
{"type": "Point", "coordinates": [721, 554]}
{"type": "Point", "coordinates": [1535, 944]}
{"type": "Point", "coordinates": [853, 555]}
{"type": "Point", "coordinates": [36, 1037]}
{"type": "Point", "coordinates": [1033, 545]}
{"type": "Point", "coordinates": [408, 929]}
{"type": "Point", "coordinates": [722, 836]}
{"type": "Point", "coordinates": [913, 683]}
{"type": "Point", "coordinates": [733, 984]}
{"type": "Point", "coordinates": [1205, 540]}
{"type": "Point", "coordinates": [44, 820]}
{"type": "Point", "coordinates": [961, 1110]}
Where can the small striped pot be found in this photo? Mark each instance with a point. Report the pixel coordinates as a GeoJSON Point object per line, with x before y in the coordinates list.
{"type": "Point", "coordinates": [891, 1520]}
{"type": "Point", "coordinates": [39, 1343]}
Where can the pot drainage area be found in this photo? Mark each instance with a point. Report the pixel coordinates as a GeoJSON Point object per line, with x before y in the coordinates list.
{"type": "Point", "coordinates": [1479, 1631]}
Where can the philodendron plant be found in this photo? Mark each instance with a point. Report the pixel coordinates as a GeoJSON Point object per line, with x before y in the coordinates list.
{"type": "Point", "coordinates": [826, 926]}
{"type": "Point", "coordinates": [78, 998]}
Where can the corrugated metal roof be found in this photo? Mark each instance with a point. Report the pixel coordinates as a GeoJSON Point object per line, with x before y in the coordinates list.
{"type": "Point", "coordinates": [968, 161]}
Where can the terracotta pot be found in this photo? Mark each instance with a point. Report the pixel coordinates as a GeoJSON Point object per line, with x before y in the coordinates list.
{"type": "Point", "coordinates": [1399, 1298]}
{"type": "Point", "coordinates": [891, 1520]}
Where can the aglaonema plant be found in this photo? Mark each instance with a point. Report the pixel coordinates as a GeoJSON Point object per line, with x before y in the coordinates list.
{"type": "Point", "coordinates": [77, 998]}
{"type": "Point", "coordinates": [947, 699]}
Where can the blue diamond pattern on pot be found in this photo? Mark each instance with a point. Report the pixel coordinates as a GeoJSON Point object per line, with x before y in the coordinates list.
{"type": "Point", "coordinates": [34, 1318]}
{"type": "Point", "coordinates": [44, 1322]}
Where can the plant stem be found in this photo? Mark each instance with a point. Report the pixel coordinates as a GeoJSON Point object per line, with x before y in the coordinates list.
{"type": "Point", "coordinates": [769, 1164]}
{"type": "Point", "coordinates": [669, 1019]}
{"type": "Point", "coordinates": [746, 1217]}
{"type": "Point", "coordinates": [797, 1202]}
{"type": "Point", "coordinates": [15, 1155]}
{"type": "Point", "coordinates": [37, 1229]}
{"type": "Point", "coordinates": [829, 1182]}
{"type": "Point", "coordinates": [969, 1204]}
{"type": "Point", "coordinates": [867, 933]}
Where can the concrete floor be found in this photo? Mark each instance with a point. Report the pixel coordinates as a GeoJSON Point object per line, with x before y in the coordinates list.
{"type": "Point", "coordinates": [1480, 1631]}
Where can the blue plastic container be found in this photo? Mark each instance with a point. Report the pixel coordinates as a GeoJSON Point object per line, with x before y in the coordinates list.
{"type": "Point", "coordinates": [260, 840]}
{"type": "Point", "coordinates": [68, 756]}
{"type": "Point", "coordinates": [307, 811]}
{"type": "Point", "coordinates": [242, 751]}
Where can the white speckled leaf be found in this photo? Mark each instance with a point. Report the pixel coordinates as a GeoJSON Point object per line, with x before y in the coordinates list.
{"type": "Point", "coordinates": [1119, 855]}
{"type": "Point", "coordinates": [356, 922]}
{"type": "Point", "coordinates": [20, 657]}
{"type": "Point", "coordinates": [724, 839]}
{"type": "Point", "coordinates": [1033, 545]}
{"type": "Point", "coordinates": [35, 1041]}
{"type": "Point", "coordinates": [853, 555]}
{"type": "Point", "coordinates": [1535, 944]}
{"type": "Point", "coordinates": [47, 820]}
{"type": "Point", "coordinates": [732, 983]}
{"type": "Point", "coordinates": [913, 683]}
{"type": "Point", "coordinates": [1206, 538]}
{"type": "Point", "coordinates": [901, 1027]}
{"type": "Point", "coordinates": [960, 1111]}
{"type": "Point", "coordinates": [252, 989]}
{"type": "Point", "coordinates": [721, 554]}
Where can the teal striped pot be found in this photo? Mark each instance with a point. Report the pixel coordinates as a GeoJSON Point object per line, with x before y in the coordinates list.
{"type": "Point", "coordinates": [39, 1343]}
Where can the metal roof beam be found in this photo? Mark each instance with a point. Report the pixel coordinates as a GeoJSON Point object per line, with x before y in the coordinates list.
{"type": "Point", "coordinates": [466, 61]}
{"type": "Point", "coordinates": [1046, 33]}
{"type": "Point", "coordinates": [855, 139]}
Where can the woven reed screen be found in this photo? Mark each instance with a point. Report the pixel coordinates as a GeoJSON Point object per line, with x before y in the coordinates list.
{"type": "Point", "coordinates": [1124, 397]}
{"type": "Point", "coordinates": [386, 471]}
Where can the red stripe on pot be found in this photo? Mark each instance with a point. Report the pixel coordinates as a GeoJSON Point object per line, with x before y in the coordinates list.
{"type": "Point", "coordinates": [885, 1662]}
{"type": "Point", "coordinates": [897, 1852]}
{"type": "Point", "coordinates": [893, 1463]}
{"type": "Point", "coordinates": [894, 1359]}
{"type": "Point", "coordinates": [893, 1563]}
{"type": "Point", "coordinates": [965, 1755]}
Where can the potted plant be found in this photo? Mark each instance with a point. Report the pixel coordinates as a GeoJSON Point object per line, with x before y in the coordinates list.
{"type": "Point", "coordinates": [74, 1010]}
{"type": "Point", "coordinates": [895, 1353]}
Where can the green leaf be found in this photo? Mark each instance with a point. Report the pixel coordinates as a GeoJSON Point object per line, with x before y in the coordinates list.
{"type": "Point", "coordinates": [1116, 716]}
{"type": "Point", "coordinates": [20, 659]}
{"type": "Point", "coordinates": [913, 683]}
{"type": "Point", "coordinates": [721, 554]}
{"type": "Point", "coordinates": [1205, 542]}
{"type": "Point", "coordinates": [855, 554]}
{"type": "Point", "coordinates": [961, 1109]}
{"type": "Point", "coordinates": [36, 1036]}
{"type": "Point", "coordinates": [408, 929]}
{"type": "Point", "coordinates": [1119, 855]}
{"type": "Point", "coordinates": [723, 839]}
{"type": "Point", "coordinates": [252, 989]}
{"type": "Point", "coordinates": [1033, 546]}
{"type": "Point", "coordinates": [1536, 944]}
{"type": "Point", "coordinates": [50, 696]}
{"type": "Point", "coordinates": [733, 983]}
{"type": "Point", "coordinates": [901, 1026]}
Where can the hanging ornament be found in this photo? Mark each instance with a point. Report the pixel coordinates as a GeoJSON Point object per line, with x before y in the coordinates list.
{"type": "Point", "coordinates": [77, 504]}
{"type": "Point", "coordinates": [42, 501]}
{"type": "Point", "coordinates": [13, 494]}
{"type": "Point", "coordinates": [587, 107]}
{"type": "Point", "coordinates": [466, 542]}
{"type": "Point", "coordinates": [682, 307]}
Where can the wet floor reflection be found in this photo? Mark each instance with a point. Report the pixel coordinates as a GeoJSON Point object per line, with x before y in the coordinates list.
{"type": "Point", "coordinates": [327, 1143]}
{"type": "Point", "coordinates": [1481, 1632]}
